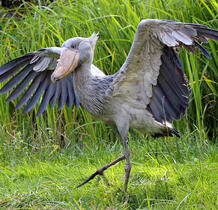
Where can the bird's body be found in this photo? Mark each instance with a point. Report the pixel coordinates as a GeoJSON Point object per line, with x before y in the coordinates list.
{"type": "Point", "coordinates": [96, 95]}
{"type": "Point", "coordinates": [147, 93]}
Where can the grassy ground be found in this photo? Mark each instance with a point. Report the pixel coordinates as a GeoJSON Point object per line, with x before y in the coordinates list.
{"type": "Point", "coordinates": [166, 174]}
{"type": "Point", "coordinates": [42, 159]}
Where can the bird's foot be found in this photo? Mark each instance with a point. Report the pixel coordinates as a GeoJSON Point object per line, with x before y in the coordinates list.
{"type": "Point", "coordinates": [101, 170]}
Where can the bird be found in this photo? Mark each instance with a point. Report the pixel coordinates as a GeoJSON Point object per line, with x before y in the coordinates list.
{"type": "Point", "coordinates": [147, 93]}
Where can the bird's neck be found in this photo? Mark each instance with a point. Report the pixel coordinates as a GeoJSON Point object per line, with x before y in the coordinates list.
{"type": "Point", "coordinates": [87, 87]}
{"type": "Point", "coordinates": [82, 76]}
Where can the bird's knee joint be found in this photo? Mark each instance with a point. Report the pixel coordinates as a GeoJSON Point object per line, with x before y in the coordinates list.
{"type": "Point", "coordinates": [127, 153]}
{"type": "Point", "coordinates": [127, 167]}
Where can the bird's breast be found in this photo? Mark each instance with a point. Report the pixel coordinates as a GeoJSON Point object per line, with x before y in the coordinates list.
{"type": "Point", "coordinates": [93, 94]}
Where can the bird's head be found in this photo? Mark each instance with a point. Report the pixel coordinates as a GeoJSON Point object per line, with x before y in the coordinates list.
{"type": "Point", "coordinates": [75, 52]}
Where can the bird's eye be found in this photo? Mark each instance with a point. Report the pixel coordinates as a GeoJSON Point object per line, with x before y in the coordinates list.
{"type": "Point", "coordinates": [73, 46]}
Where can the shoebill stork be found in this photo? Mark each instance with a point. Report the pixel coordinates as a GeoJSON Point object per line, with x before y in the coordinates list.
{"type": "Point", "coordinates": [147, 93]}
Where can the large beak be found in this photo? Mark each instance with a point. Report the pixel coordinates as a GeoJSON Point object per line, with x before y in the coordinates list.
{"type": "Point", "coordinates": [68, 61]}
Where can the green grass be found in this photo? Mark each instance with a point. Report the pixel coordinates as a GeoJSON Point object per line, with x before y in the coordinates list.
{"type": "Point", "coordinates": [42, 159]}
{"type": "Point", "coordinates": [166, 174]}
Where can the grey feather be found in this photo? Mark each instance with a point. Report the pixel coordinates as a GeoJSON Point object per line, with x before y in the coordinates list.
{"type": "Point", "coordinates": [42, 64]}
{"type": "Point", "coordinates": [14, 63]}
{"type": "Point", "coordinates": [12, 71]}
{"type": "Point", "coordinates": [63, 95]}
{"type": "Point", "coordinates": [16, 79]}
{"type": "Point", "coordinates": [42, 86]}
{"type": "Point", "coordinates": [57, 93]}
{"type": "Point", "coordinates": [70, 94]}
{"type": "Point", "coordinates": [208, 33]}
{"type": "Point", "coordinates": [37, 67]}
{"type": "Point", "coordinates": [21, 86]}
{"type": "Point", "coordinates": [30, 90]}
{"type": "Point", "coordinates": [46, 98]}
{"type": "Point", "coordinates": [182, 37]}
{"type": "Point", "coordinates": [203, 50]}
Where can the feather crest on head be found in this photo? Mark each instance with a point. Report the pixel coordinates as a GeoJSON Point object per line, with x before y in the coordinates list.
{"type": "Point", "coordinates": [93, 38]}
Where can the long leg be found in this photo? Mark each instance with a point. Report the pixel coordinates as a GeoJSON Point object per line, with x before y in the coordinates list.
{"type": "Point", "coordinates": [128, 165]}
{"type": "Point", "coordinates": [101, 170]}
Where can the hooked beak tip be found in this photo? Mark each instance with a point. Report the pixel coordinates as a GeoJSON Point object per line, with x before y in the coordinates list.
{"type": "Point", "coordinates": [54, 79]}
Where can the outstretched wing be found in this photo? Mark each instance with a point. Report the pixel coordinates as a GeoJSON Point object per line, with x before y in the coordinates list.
{"type": "Point", "coordinates": [152, 73]}
{"type": "Point", "coordinates": [31, 74]}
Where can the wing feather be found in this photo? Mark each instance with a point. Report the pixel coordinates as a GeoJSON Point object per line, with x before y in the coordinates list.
{"type": "Point", "coordinates": [57, 94]}
{"type": "Point", "coordinates": [70, 91]}
{"type": "Point", "coordinates": [21, 86]}
{"type": "Point", "coordinates": [41, 87]}
{"type": "Point", "coordinates": [15, 63]}
{"type": "Point", "coordinates": [26, 96]}
{"type": "Point", "coordinates": [30, 74]}
{"type": "Point", "coordinates": [16, 79]}
{"type": "Point", "coordinates": [13, 70]}
{"type": "Point", "coordinates": [42, 64]}
{"type": "Point", "coordinates": [63, 94]}
{"type": "Point", "coordinates": [46, 98]}
{"type": "Point", "coordinates": [152, 72]}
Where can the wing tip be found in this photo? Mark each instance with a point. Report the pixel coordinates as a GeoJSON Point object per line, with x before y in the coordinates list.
{"type": "Point", "coordinates": [166, 132]}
